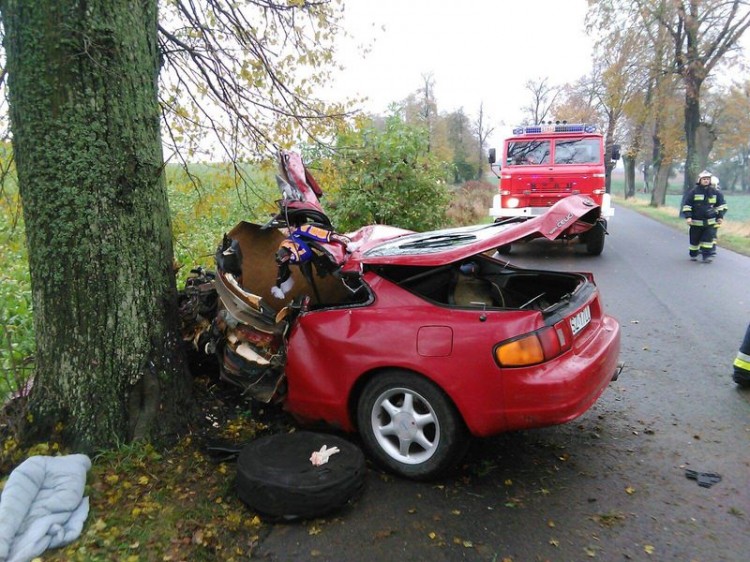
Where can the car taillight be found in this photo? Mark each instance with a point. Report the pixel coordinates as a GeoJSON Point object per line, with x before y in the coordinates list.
{"type": "Point", "coordinates": [536, 347]}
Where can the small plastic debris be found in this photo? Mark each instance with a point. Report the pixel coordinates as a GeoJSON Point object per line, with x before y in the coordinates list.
{"type": "Point", "coordinates": [321, 457]}
{"type": "Point", "coordinates": [704, 479]}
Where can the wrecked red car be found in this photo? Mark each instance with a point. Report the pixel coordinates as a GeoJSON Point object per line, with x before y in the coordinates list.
{"type": "Point", "coordinates": [416, 340]}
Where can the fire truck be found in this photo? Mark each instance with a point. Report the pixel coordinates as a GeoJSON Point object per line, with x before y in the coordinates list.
{"type": "Point", "coordinates": [542, 164]}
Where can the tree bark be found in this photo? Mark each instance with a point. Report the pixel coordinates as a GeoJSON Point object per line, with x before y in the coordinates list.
{"type": "Point", "coordinates": [609, 141]}
{"type": "Point", "coordinates": [661, 181]}
{"type": "Point", "coordinates": [692, 122]}
{"type": "Point", "coordinates": [628, 163]}
{"type": "Point", "coordinates": [82, 79]}
{"type": "Point", "coordinates": [705, 137]}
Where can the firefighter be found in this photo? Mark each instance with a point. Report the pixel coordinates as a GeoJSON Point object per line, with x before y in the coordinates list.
{"type": "Point", "coordinates": [741, 373]}
{"type": "Point", "coordinates": [703, 208]}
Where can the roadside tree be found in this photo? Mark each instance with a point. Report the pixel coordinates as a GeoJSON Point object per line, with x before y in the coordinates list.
{"type": "Point", "coordinates": [732, 149]}
{"type": "Point", "coordinates": [543, 98]}
{"type": "Point", "coordinates": [83, 85]}
{"type": "Point", "coordinates": [701, 34]}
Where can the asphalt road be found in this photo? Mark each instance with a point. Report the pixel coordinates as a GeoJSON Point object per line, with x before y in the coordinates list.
{"type": "Point", "coordinates": [610, 485]}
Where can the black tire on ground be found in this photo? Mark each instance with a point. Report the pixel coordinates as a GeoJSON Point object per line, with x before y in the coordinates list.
{"type": "Point", "coordinates": [594, 238]}
{"type": "Point", "coordinates": [409, 425]}
{"type": "Point", "coordinates": [276, 478]}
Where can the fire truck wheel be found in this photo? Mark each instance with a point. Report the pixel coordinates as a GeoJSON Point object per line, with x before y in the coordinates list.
{"type": "Point", "coordinates": [595, 239]}
{"type": "Point", "coordinates": [276, 478]}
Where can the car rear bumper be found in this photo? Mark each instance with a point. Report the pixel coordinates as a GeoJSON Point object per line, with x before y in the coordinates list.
{"type": "Point", "coordinates": [557, 392]}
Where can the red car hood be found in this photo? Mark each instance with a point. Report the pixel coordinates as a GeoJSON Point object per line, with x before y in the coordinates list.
{"type": "Point", "coordinates": [378, 244]}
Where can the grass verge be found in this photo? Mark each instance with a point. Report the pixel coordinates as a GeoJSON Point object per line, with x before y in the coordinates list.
{"type": "Point", "coordinates": [733, 235]}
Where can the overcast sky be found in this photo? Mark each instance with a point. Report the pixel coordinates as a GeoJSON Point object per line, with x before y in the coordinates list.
{"type": "Point", "coordinates": [478, 51]}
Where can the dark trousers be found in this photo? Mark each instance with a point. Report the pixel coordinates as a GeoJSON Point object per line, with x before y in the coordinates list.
{"type": "Point", "coordinates": [702, 240]}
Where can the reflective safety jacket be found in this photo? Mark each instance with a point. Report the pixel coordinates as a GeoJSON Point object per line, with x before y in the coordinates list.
{"type": "Point", "coordinates": [705, 205]}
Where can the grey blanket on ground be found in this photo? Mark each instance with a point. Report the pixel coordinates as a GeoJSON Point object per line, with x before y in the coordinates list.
{"type": "Point", "coordinates": [42, 506]}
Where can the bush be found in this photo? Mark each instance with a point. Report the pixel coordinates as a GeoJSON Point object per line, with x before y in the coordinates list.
{"type": "Point", "coordinates": [470, 203]}
{"type": "Point", "coordinates": [385, 176]}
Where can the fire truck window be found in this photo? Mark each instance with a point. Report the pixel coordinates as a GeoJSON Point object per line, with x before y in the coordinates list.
{"type": "Point", "coordinates": [577, 151]}
{"type": "Point", "coordinates": [528, 153]}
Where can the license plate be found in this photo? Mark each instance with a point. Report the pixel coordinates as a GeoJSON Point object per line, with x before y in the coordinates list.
{"type": "Point", "coordinates": [580, 320]}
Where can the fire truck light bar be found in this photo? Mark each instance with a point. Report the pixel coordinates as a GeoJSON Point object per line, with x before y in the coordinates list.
{"type": "Point", "coordinates": [555, 128]}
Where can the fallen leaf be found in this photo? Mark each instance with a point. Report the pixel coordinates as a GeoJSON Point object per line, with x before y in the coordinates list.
{"type": "Point", "coordinates": [630, 490]}
{"type": "Point", "coordinates": [384, 534]}
{"type": "Point", "coordinates": [649, 549]}
{"type": "Point", "coordinates": [554, 542]}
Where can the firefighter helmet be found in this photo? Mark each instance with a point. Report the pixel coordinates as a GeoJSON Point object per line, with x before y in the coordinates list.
{"type": "Point", "coordinates": [704, 174]}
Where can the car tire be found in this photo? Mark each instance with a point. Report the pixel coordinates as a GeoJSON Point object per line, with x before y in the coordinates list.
{"type": "Point", "coordinates": [433, 437]}
{"type": "Point", "coordinates": [276, 478]}
{"type": "Point", "coordinates": [595, 238]}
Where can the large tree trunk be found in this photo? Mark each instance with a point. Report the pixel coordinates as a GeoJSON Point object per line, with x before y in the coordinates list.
{"type": "Point", "coordinates": [628, 163]}
{"type": "Point", "coordinates": [661, 182]}
{"type": "Point", "coordinates": [609, 142]}
{"type": "Point", "coordinates": [82, 80]}
{"type": "Point", "coordinates": [692, 123]}
{"type": "Point", "coordinates": [661, 166]}
{"type": "Point", "coordinates": [705, 138]}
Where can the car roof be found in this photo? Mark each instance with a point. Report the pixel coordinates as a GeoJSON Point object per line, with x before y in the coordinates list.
{"type": "Point", "coordinates": [572, 215]}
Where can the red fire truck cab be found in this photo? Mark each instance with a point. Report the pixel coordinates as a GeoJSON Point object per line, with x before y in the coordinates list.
{"type": "Point", "coordinates": [542, 164]}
